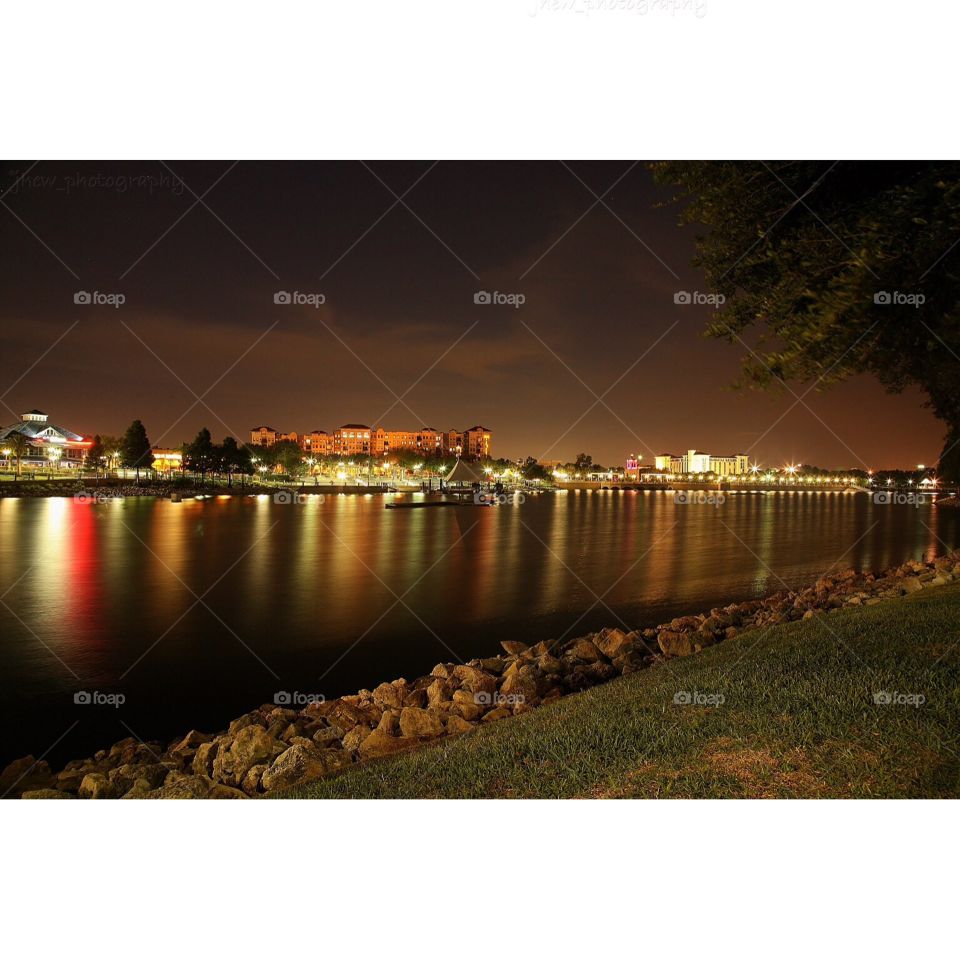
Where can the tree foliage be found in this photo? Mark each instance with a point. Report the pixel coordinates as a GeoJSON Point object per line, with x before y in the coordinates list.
{"type": "Point", "coordinates": [137, 451]}
{"type": "Point", "coordinates": [813, 256]}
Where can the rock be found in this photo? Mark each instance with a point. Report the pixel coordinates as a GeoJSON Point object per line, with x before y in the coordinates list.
{"type": "Point", "coordinates": [584, 650]}
{"type": "Point", "coordinates": [439, 690]}
{"type": "Point", "coordinates": [25, 774]}
{"type": "Point", "coordinates": [301, 765]}
{"type": "Point", "coordinates": [549, 664]}
{"type": "Point", "coordinates": [202, 763]}
{"type": "Point", "coordinates": [328, 736]}
{"type": "Point", "coordinates": [911, 584]}
{"type": "Point", "coordinates": [356, 736]}
{"type": "Point", "coordinates": [612, 643]}
{"type": "Point", "coordinates": [125, 776]}
{"type": "Point", "coordinates": [457, 725]}
{"type": "Point", "coordinates": [474, 680]}
{"type": "Point", "coordinates": [95, 786]}
{"type": "Point", "coordinates": [245, 721]}
{"type": "Point", "coordinates": [186, 788]}
{"type": "Point", "coordinates": [495, 665]}
{"type": "Point", "coordinates": [443, 670]}
{"type": "Point", "coordinates": [189, 743]}
{"type": "Point", "coordinates": [513, 647]}
{"type": "Point", "coordinates": [251, 779]}
{"type": "Point", "coordinates": [381, 744]}
{"type": "Point", "coordinates": [388, 695]}
{"type": "Point", "coordinates": [500, 713]}
{"type": "Point", "coordinates": [250, 746]}
{"type": "Point", "coordinates": [675, 644]}
{"type": "Point", "coordinates": [415, 722]}
{"type": "Point", "coordinates": [521, 687]}
{"type": "Point", "coordinates": [220, 791]}
{"type": "Point", "coordinates": [46, 794]}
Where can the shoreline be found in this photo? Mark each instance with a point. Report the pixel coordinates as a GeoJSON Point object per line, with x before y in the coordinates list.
{"type": "Point", "coordinates": [282, 745]}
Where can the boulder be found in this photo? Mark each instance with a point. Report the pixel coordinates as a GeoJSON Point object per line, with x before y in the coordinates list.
{"type": "Point", "coordinates": [251, 779]}
{"type": "Point", "coordinates": [499, 713]}
{"type": "Point", "coordinates": [185, 788]}
{"type": "Point", "coordinates": [674, 644]}
{"type": "Point", "coordinates": [382, 744]}
{"type": "Point", "coordinates": [25, 774]}
{"type": "Point", "coordinates": [474, 680]}
{"type": "Point", "coordinates": [612, 643]}
{"type": "Point", "coordinates": [513, 647]}
{"type": "Point", "coordinates": [415, 722]}
{"type": "Point", "coordinates": [388, 695]}
{"type": "Point", "coordinates": [250, 746]}
{"type": "Point", "coordinates": [584, 650]}
{"type": "Point", "coordinates": [300, 765]}
{"type": "Point", "coordinates": [457, 725]}
{"type": "Point", "coordinates": [353, 738]}
{"type": "Point", "coordinates": [96, 786]}
{"type": "Point", "coordinates": [202, 764]}
{"type": "Point", "coordinates": [47, 794]}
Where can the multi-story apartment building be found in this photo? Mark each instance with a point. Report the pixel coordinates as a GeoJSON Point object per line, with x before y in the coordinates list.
{"type": "Point", "coordinates": [358, 440]}
{"type": "Point", "coordinates": [352, 440]}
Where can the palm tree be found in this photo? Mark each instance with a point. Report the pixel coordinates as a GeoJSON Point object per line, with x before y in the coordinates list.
{"type": "Point", "coordinates": [18, 445]}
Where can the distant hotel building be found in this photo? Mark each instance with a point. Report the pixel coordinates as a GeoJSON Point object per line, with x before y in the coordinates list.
{"type": "Point", "coordinates": [360, 440]}
{"type": "Point", "coordinates": [46, 440]}
{"type": "Point", "coordinates": [693, 461]}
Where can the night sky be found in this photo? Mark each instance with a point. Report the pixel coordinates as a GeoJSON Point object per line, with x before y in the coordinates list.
{"type": "Point", "coordinates": [399, 319]}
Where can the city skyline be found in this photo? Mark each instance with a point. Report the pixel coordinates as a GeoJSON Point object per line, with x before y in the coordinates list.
{"type": "Point", "coordinates": [601, 356]}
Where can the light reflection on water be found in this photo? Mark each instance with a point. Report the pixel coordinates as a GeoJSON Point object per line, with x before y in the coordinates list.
{"type": "Point", "coordinates": [105, 596]}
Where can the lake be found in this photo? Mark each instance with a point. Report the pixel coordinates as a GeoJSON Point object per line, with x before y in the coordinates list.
{"type": "Point", "coordinates": [196, 612]}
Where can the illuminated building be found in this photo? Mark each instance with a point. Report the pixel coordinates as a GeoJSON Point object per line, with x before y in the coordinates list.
{"type": "Point", "coordinates": [48, 442]}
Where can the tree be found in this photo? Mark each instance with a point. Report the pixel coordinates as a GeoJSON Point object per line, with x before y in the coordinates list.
{"type": "Point", "coordinates": [18, 445]}
{"type": "Point", "coordinates": [287, 455]}
{"type": "Point", "coordinates": [137, 451]}
{"type": "Point", "coordinates": [112, 449]}
{"type": "Point", "coordinates": [201, 454]}
{"type": "Point", "coordinates": [96, 454]}
{"type": "Point", "coordinates": [233, 459]}
{"type": "Point", "coordinates": [583, 462]}
{"type": "Point", "coordinates": [844, 268]}
{"type": "Point", "coordinates": [533, 470]}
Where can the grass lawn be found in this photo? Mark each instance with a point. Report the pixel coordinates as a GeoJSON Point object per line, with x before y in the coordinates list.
{"type": "Point", "coordinates": [798, 719]}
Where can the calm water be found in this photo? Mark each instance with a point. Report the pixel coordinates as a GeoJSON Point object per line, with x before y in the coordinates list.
{"type": "Point", "coordinates": [331, 596]}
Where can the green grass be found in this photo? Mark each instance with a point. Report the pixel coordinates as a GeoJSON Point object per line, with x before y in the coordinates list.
{"type": "Point", "coordinates": [799, 720]}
